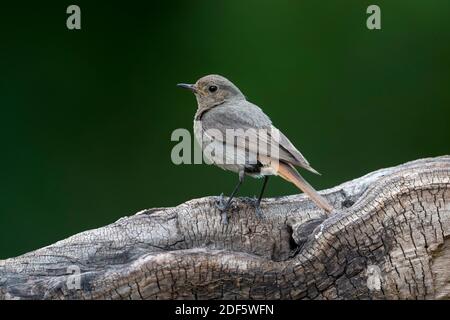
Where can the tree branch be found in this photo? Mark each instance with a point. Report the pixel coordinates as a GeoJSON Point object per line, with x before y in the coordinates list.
{"type": "Point", "coordinates": [388, 240]}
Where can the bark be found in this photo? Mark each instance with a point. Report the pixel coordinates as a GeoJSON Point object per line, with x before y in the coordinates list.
{"type": "Point", "coordinates": [387, 239]}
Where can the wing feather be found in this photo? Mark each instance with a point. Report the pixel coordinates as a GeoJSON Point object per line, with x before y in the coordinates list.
{"type": "Point", "coordinates": [261, 137]}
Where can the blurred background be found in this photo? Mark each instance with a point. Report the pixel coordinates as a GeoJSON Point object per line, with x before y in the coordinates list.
{"type": "Point", "coordinates": [86, 116]}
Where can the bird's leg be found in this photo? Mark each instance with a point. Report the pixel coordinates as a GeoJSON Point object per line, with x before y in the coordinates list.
{"type": "Point", "coordinates": [258, 202]}
{"type": "Point", "coordinates": [220, 204]}
{"type": "Point", "coordinates": [224, 208]}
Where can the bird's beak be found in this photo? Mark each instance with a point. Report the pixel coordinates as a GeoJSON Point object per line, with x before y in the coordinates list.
{"type": "Point", "coordinates": [187, 86]}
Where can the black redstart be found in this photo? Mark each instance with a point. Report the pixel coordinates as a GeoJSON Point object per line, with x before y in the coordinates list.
{"type": "Point", "coordinates": [223, 111]}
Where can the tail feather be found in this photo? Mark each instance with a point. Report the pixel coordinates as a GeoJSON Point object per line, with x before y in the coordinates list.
{"type": "Point", "coordinates": [311, 169]}
{"type": "Point", "coordinates": [289, 173]}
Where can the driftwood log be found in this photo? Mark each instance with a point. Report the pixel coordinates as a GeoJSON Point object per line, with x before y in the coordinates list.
{"type": "Point", "coordinates": [388, 239]}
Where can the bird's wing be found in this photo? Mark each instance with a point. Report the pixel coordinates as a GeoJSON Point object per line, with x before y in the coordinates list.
{"type": "Point", "coordinates": [237, 115]}
{"type": "Point", "coordinates": [261, 137]}
{"type": "Point", "coordinates": [290, 154]}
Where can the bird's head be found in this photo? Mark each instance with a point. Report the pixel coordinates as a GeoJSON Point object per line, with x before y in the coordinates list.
{"type": "Point", "coordinates": [212, 90]}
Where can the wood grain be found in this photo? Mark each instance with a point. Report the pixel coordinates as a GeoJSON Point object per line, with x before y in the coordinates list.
{"type": "Point", "coordinates": [388, 239]}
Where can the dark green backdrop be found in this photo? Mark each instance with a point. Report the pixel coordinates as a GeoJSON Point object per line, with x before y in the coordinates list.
{"type": "Point", "coordinates": [86, 116]}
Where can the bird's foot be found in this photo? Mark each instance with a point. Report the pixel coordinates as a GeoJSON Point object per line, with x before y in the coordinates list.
{"type": "Point", "coordinates": [256, 204]}
{"type": "Point", "coordinates": [223, 206]}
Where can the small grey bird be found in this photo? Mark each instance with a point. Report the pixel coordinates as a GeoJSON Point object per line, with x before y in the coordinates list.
{"type": "Point", "coordinates": [222, 108]}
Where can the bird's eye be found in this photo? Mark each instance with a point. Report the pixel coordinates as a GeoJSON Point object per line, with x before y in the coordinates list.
{"type": "Point", "coordinates": [212, 88]}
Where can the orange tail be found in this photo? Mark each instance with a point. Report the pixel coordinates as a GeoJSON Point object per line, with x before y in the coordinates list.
{"type": "Point", "coordinates": [289, 173]}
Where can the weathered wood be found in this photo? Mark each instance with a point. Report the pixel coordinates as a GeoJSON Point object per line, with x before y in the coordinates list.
{"type": "Point", "coordinates": [389, 239]}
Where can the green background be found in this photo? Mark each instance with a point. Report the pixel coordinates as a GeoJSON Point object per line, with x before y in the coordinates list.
{"type": "Point", "coordinates": [86, 116]}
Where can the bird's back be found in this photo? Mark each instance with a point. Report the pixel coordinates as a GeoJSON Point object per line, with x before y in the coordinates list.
{"type": "Point", "coordinates": [239, 114]}
{"type": "Point", "coordinates": [244, 115]}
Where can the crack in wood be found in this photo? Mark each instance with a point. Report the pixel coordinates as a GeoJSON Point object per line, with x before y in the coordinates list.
{"type": "Point", "coordinates": [389, 239]}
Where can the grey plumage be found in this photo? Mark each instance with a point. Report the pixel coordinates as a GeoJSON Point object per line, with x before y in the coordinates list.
{"type": "Point", "coordinates": [242, 114]}
{"type": "Point", "coordinates": [223, 107]}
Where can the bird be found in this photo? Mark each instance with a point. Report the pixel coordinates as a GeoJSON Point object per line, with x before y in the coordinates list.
{"type": "Point", "coordinates": [223, 110]}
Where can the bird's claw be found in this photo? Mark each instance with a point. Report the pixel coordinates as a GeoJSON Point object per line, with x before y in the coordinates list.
{"type": "Point", "coordinates": [223, 208]}
{"type": "Point", "coordinates": [256, 204]}
{"type": "Point", "coordinates": [221, 204]}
